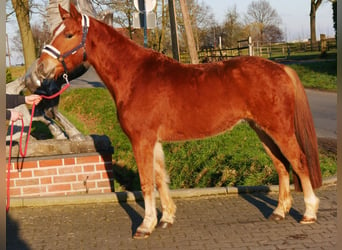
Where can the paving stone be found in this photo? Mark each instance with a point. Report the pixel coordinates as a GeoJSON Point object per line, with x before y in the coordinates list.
{"type": "Point", "coordinates": [215, 222]}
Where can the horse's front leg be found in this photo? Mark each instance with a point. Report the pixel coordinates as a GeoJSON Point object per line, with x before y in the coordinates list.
{"type": "Point", "coordinates": [70, 129]}
{"type": "Point", "coordinates": [54, 129]}
{"type": "Point", "coordinates": [162, 180]}
{"type": "Point", "coordinates": [143, 151]}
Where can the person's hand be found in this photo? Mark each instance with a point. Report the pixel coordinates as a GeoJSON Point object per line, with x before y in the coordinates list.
{"type": "Point", "coordinates": [33, 99]}
{"type": "Point", "coordinates": [15, 116]}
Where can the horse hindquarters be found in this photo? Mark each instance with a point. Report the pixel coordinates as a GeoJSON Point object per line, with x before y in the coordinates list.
{"type": "Point", "coordinates": [282, 148]}
{"type": "Point", "coordinates": [292, 132]}
{"type": "Point", "coordinates": [305, 133]}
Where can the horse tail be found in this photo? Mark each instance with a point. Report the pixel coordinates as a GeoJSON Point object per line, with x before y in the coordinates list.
{"type": "Point", "coordinates": [305, 133]}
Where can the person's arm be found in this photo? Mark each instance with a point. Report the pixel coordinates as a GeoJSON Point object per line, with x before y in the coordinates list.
{"type": "Point", "coordinates": [15, 115]}
{"type": "Point", "coordinates": [8, 114]}
{"type": "Point", "coordinates": [14, 100]}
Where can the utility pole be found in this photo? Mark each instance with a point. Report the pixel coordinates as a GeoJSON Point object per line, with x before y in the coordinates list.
{"type": "Point", "coordinates": [189, 34]}
{"type": "Point", "coordinates": [173, 24]}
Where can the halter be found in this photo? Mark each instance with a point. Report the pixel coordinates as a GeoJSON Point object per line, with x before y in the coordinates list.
{"type": "Point", "coordinates": [55, 53]}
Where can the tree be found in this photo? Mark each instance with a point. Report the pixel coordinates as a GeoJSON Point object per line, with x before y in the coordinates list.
{"type": "Point", "coordinates": [189, 33]}
{"type": "Point", "coordinates": [123, 14]}
{"type": "Point", "coordinates": [273, 33]}
{"type": "Point", "coordinates": [9, 9]}
{"type": "Point", "coordinates": [202, 21]}
{"type": "Point", "coordinates": [22, 11]}
{"type": "Point", "coordinates": [41, 35]}
{"type": "Point", "coordinates": [232, 28]}
{"type": "Point", "coordinates": [334, 7]}
{"type": "Point", "coordinates": [160, 32]}
{"type": "Point", "coordinates": [313, 9]}
{"type": "Point", "coordinates": [261, 19]}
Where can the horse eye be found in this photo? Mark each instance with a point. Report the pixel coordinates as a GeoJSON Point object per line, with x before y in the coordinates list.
{"type": "Point", "coordinates": [69, 36]}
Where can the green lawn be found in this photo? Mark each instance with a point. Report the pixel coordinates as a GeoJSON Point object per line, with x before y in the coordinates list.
{"type": "Point", "coordinates": [317, 75]}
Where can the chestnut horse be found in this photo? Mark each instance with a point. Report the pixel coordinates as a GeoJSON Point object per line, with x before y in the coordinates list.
{"type": "Point", "coordinates": [159, 99]}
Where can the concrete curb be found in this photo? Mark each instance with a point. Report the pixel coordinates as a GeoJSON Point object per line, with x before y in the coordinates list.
{"type": "Point", "coordinates": [137, 195]}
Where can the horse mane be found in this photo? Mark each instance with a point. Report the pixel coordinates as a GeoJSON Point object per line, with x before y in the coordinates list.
{"type": "Point", "coordinates": [123, 43]}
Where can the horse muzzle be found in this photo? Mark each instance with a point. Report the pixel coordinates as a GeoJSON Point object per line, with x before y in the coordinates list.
{"type": "Point", "coordinates": [32, 78]}
{"type": "Point", "coordinates": [44, 69]}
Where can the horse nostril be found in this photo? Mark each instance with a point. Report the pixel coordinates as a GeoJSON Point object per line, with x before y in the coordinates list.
{"type": "Point", "coordinates": [40, 68]}
{"type": "Point", "coordinates": [44, 70]}
{"type": "Point", "coordinates": [32, 77]}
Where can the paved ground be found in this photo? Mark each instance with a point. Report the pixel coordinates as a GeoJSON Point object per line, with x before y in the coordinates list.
{"type": "Point", "coordinates": [215, 222]}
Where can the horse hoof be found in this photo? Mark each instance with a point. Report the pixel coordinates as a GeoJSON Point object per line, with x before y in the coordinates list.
{"type": "Point", "coordinates": [307, 220]}
{"type": "Point", "coordinates": [276, 217]}
{"type": "Point", "coordinates": [139, 235]}
{"type": "Point", "coordinates": [164, 224]}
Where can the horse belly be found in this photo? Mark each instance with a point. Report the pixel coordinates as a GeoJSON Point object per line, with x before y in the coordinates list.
{"type": "Point", "coordinates": [199, 122]}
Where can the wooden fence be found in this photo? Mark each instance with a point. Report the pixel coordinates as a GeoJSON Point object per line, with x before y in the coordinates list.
{"type": "Point", "coordinates": [272, 50]}
{"type": "Point", "coordinates": [244, 47]}
{"type": "Point", "coordinates": [267, 50]}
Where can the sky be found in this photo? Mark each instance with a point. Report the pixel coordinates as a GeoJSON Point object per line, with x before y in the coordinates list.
{"type": "Point", "coordinates": [294, 14]}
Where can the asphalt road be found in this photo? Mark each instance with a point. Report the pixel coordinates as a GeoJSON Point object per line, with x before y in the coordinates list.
{"type": "Point", "coordinates": [324, 108]}
{"type": "Point", "coordinates": [322, 104]}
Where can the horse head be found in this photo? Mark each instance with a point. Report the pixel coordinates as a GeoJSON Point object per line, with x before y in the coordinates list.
{"type": "Point", "coordinates": [67, 49]}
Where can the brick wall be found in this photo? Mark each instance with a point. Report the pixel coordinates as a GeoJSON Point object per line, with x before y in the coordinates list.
{"type": "Point", "coordinates": [62, 175]}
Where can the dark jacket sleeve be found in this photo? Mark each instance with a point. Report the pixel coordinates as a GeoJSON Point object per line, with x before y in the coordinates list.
{"type": "Point", "coordinates": [8, 114]}
{"type": "Point", "coordinates": [14, 100]}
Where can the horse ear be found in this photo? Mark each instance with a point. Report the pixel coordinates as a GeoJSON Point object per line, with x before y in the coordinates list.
{"type": "Point", "coordinates": [74, 12]}
{"type": "Point", "coordinates": [63, 12]}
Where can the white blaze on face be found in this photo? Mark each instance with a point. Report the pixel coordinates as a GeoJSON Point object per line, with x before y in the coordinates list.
{"type": "Point", "coordinates": [58, 31]}
{"type": "Point", "coordinates": [51, 50]}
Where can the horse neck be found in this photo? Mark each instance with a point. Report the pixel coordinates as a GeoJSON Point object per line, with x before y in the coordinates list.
{"type": "Point", "coordinates": [113, 56]}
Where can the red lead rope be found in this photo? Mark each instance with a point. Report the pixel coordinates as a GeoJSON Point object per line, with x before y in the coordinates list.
{"type": "Point", "coordinates": [23, 154]}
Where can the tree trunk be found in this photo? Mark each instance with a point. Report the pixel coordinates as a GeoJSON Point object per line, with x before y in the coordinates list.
{"type": "Point", "coordinates": [173, 27]}
{"type": "Point", "coordinates": [189, 33]}
{"type": "Point", "coordinates": [21, 8]}
{"type": "Point", "coordinates": [160, 36]}
{"type": "Point", "coordinates": [314, 6]}
{"type": "Point", "coordinates": [313, 22]}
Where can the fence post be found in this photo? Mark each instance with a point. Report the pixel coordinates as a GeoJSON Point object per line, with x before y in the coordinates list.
{"type": "Point", "coordinates": [250, 46]}
{"type": "Point", "coordinates": [323, 44]}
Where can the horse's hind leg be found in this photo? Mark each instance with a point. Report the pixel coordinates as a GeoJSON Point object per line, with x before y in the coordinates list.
{"type": "Point", "coordinates": [162, 180]}
{"type": "Point", "coordinates": [282, 167]}
{"type": "Point", "coordinates": [298, 161]}
{"type": "Point", "coordinates": [290, 149]}
{"type": "Point", "coordinates": [143, 152]}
